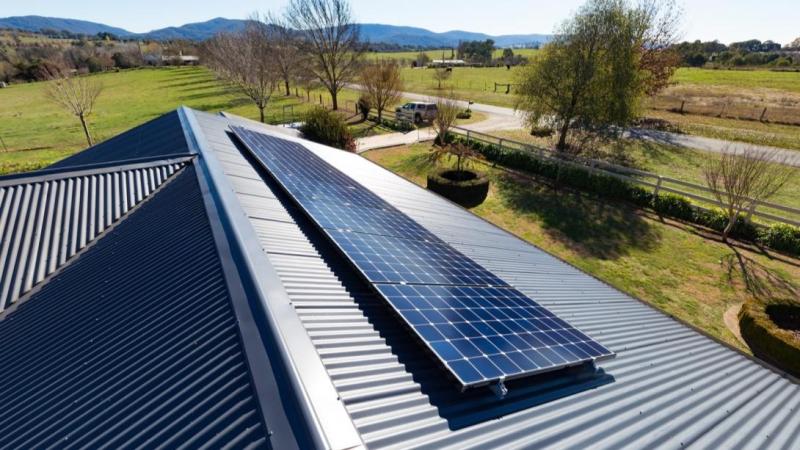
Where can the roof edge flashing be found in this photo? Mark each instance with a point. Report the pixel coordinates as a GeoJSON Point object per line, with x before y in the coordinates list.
{"type": "Point", "coordinates": [316, 396]}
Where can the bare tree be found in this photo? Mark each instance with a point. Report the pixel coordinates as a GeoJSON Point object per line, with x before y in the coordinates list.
{"type": "Point", "coordinates": [383, 84]}
{"type": "Point", "coordinates": [739, 180]}
{"type": "Point", "coordinates": [245, 60]}
{"type": "Point", "coordinates": [331, 38]}
{"type": "Point", "coordinates": [441, 74]}
{"type": "Point", "coordinates": [446, 115]}
{"type": "Point", "coordinates": [286, 51]}
{"type": "Point", "coordinates": [77, 95]}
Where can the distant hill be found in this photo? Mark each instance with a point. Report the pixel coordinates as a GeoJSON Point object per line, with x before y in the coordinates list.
{"type": "Point", "coordinates": [38, 23]}
{"type": "Point", "coordinates": [377, 33]}
{"type": "Point", "coordinates": [392, 34]}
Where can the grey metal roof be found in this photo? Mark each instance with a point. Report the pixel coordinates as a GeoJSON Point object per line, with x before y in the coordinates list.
{"type": "Point", "coordinates": [47, 219]}
{"type": "Point", "coordinates": [670, 386]}
{"type": "Point", "coordinates": [136, 344]}
{"type": "Point", "coordinates": [214, 313]}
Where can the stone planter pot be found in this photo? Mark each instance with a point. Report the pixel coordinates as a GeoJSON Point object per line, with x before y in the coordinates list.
{"type": "Point", "coordinates": [467, 188]}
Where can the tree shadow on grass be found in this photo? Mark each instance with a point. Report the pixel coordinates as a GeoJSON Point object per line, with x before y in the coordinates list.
{"type": "Point", "coordinates": [588, 226]}
{"type": "Point", "coordinates": [759, 280]}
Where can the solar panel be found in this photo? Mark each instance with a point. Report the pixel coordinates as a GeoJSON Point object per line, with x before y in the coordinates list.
{"type": "Point", "coordinates": [484, 333]}
{"type": "Point", "coordinates": [479, 327]}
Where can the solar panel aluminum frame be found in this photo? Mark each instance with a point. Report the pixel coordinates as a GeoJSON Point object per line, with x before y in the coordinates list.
{"type": "Point", "coordinates": [497, 384]}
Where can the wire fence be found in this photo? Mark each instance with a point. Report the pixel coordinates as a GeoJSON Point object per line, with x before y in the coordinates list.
{"type": "Point", "coordinates": [702, 196]}
{"type": "Point", "coordinates": [785, 115]}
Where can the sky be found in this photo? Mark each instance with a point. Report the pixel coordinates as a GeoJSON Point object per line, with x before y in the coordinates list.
{"type": "Point", "coordinates": [725, 20]}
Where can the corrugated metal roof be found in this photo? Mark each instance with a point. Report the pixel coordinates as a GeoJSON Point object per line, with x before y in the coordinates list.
{"type": "Point", "coordinates": [134, 345]}
{"type": "Point", "coordinates": [159, 138]}
{"type": "Point", "coordinates": [47, 219]}
{"type": "Point", "coordinates": [670, 387]}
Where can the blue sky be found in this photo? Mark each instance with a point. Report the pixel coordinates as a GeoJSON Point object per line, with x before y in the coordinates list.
{"type": "Point", "coordinates": [728, 21]}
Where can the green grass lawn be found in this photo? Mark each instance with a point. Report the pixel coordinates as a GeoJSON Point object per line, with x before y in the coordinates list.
{"type": "Point", "coordinates": [679, 269]}
{"type": "Point", "coordinates": [37, 133]}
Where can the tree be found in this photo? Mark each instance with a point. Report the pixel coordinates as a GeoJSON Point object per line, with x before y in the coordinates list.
{"type": "Point", "coordinates": [441, 74]}
{"type": "Point", "coordinates": [286, 51]}
{"type": "Point", "coordinates": [77, 95]}
{"type": "Point", "coordinates": [739, 180]}
{"type": "Point", "coordinates": [600, 65]}
{"type": "Point", "coordinates": [331, 37]}
{"type": "Point", "coordinates": [245, 61]}
{"type": "Point", "coordinates": [446, 114]}
{"type": "Point", "coordinates": [383, 84]}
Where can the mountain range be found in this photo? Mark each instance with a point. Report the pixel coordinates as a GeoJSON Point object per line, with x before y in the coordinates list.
{"type": "Point", "coordinates": [377, 33]}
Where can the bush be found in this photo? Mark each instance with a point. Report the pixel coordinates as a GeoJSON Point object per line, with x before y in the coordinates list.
{"type": "Point", "coordinates": [717, 220]}
{"type": "Point", "coordinates": [673, 206]}
{"type": "Point", "coordinates": [328, 128]}
{"type": "Point", "coordinates": [766, 339]}
{"type": "Point", "coordinates": [781, 237]}
{"type": "Point", "coordinates": [466, 114]}
{"type": "Point", "coordinates": [466, 192]}
{"type": "Point", "coordinates": [364, 106]}
{"type": "Point", "coordinates": [542, 132]}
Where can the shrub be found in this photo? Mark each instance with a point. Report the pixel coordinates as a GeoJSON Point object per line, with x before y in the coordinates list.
{"type": "Point", "coordinates": [781, 237]}
{"type": "Point", "coordinates": [468, 192]}
{"type": "Point", "coordinates": [767, 340]}
{"type": "Point", "coordinates": [466, 114]}
{"type": "Point", "coordinates": [717, 220]}
{"type": "Point", "coordinates": [328, 128]}
{"type": "Point", "coordinates": [673, 206]}
{"type": "Point", "coordinates": [542, 131]}
{"type": "Point", "coordinates": [364, 106]}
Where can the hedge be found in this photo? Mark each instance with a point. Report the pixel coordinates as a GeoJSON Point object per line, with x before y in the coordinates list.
{"type": "Point", "coordinates": [767, 340]}
{"type": "Point", "coordinates": [328, 128]}
{"type": "Point", "coordinates": [780, 237]}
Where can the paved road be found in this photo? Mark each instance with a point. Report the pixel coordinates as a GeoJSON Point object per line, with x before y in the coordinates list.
{"type": "Point", "coordinates": [789, 157]}
{"type": "Point", "coordinates": [500, 118]}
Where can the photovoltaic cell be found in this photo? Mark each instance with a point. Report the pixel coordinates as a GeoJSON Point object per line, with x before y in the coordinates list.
{"type": "Point", "coordinates": [480, 328]}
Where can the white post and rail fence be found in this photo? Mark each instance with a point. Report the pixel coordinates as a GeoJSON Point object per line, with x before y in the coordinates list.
{"type": "Point", "coordinates": [701, 195]}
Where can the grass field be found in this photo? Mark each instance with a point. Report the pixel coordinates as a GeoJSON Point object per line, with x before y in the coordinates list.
{"type": "Point", "coordinates": [627, 248]}
{"type": "Point", "coordinates": [737, 79]}
{"type": "Point", "coordinates": [35, 133]}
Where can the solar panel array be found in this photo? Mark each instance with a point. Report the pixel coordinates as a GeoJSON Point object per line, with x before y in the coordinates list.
{"type": "Point", "coordinates": [481, 329]}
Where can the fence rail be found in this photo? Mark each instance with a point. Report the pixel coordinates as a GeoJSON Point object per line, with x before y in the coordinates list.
{"type": "Point", "coordinates": [658, 183]}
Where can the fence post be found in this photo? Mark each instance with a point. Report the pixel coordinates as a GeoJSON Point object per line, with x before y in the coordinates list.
{"type": "Point", "coordinates": [763, 113]}
{"type": "Point", "coordinates": [501, 144]}
{"type": "Point", "coordinates": [468, 143]}
{"type": "Point", "coordinates": [658, 186]}
{"type": "Point", "coordinates": [683, 103]}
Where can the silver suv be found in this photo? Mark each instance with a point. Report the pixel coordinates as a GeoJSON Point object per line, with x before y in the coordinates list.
{"type": "Point", "coordinates": [416, 112]}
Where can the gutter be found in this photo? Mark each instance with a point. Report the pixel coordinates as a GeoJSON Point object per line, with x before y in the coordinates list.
{"type": "Point", "coordinates": [325, 419]}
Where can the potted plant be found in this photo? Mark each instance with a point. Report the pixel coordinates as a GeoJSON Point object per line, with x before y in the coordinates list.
{"type": "Point", "coordinates": [466, 187]}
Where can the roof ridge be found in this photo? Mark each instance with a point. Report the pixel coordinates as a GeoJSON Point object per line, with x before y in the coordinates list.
{"type": "Point", "coordinates": [56, 173]}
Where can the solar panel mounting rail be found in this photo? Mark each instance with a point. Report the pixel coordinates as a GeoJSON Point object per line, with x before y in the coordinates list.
{"type": "Point", "coordinates": [480, 328]}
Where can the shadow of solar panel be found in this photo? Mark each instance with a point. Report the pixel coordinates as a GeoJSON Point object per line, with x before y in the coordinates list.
{"type": "Point", "coordinates": [479, 327]}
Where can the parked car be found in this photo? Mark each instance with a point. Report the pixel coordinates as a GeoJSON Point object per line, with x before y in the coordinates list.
{"type": "Point", "coordinates": [416, 112]}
